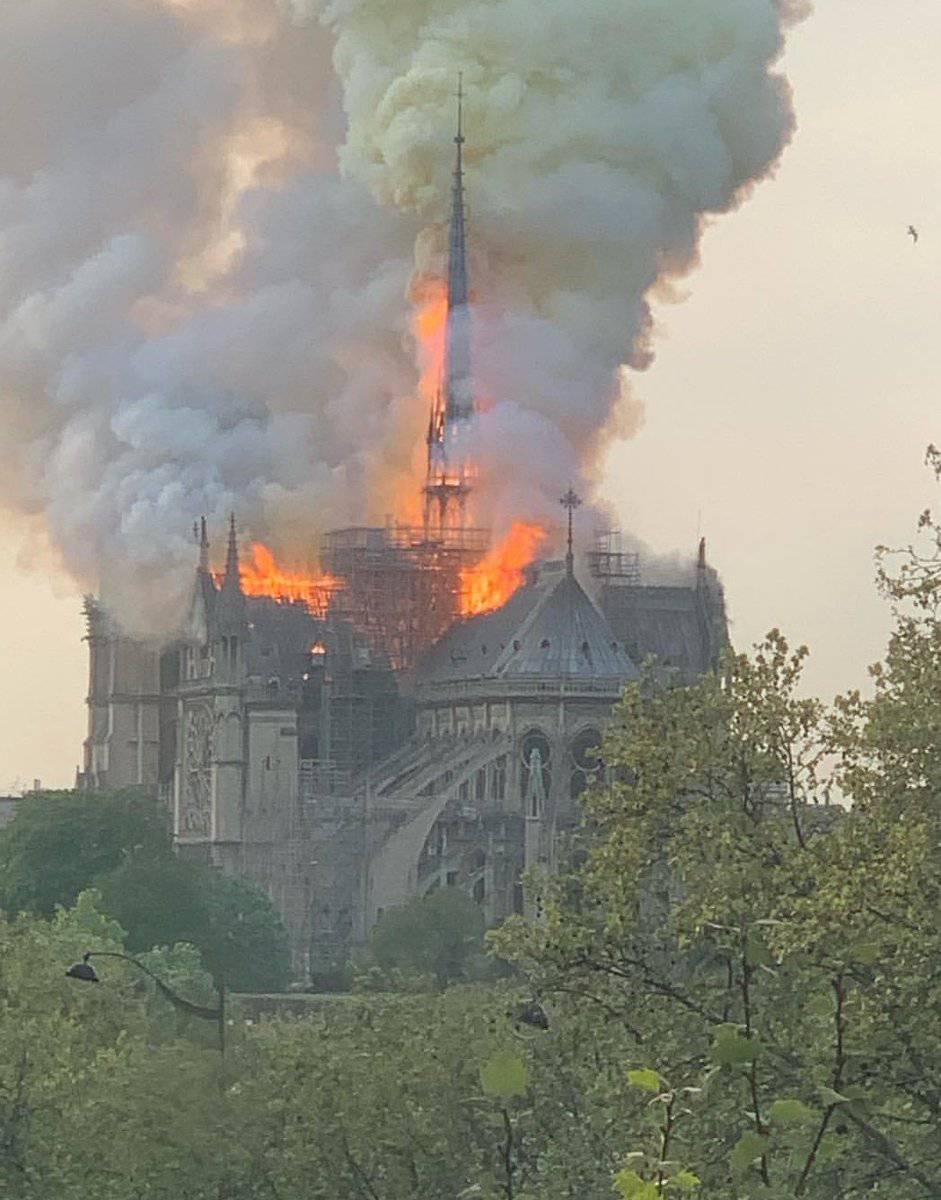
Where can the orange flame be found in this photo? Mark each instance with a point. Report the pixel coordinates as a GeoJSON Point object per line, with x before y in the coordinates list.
{"type": "Point", "coordinates": [429, 325]}
{"type": "Point", "coordinates": [495, 578]}
{"type": "Point", "coordinates": [263, 576]}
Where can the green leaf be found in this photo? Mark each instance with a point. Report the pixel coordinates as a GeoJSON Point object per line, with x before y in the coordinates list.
{"type": "Point", "coordinates": [631, 1186]}
{"type": "Point", "coordinates": [791, 1112]}
{"type": "Point", "coordinates": [749, 1146]}
{"type": "Point", "coordinates": [732, 1048]}
{"type": "Point", "coordinates": [866, 952]}
{"type": "Point", "coordinates": [644, 1078]}
{"type": "Point", "coordinates": [504, 1076]}
{"type": "Point", "coordinates": [820, 1006]}
{"type": "Point", "coordinates": [686, 1181]}
{"type": "Point", "coordinates": [757, 953]}
{"type": "Point", "coordinates": [829, 1096]}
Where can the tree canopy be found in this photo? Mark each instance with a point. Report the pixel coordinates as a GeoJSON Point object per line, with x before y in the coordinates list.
{"type": "Point", "coordinates": [60, 843]}
{"type": "Point", "coordinates": [776, 960]}
{"type": "Point", "coordinates": [438, 935]}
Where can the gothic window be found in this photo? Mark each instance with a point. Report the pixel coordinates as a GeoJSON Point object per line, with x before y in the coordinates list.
{"type": "Point", "coordinates": [536, 774]}
{"type": "Point", "coordinates": [480, 890]}
{"type": "Point", "coordinates": [480, 785]}
{"type": "Point", "coordinates": [586, 763]}
{"type": "Point", "coordinates": [196, 801]}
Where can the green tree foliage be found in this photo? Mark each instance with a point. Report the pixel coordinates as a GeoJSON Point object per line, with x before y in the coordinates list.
{"type": "Point", "coordinates": [158, 901]}
{"type": "Point", "coordinates": [404, 1098]}
{"type": "Point", "coordinates": [94, 1101]}
{"type": "Point", "coordinates": [232, 922]}
{"type": "Point", "coordinates": [59, 843]}
{"type": "Point", "coordinates": [439, 935]}
{"type": "Point", "coordinates": [245, 943]}
{"type": "Point", "coordinates": [775, 960]}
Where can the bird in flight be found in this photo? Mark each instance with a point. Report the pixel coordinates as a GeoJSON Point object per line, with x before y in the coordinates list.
{"type": "Point", "coordinates": [913, 234]}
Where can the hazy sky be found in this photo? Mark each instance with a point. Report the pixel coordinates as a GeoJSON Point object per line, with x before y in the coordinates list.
{"type": "Point", "coordinates": [788, 411]}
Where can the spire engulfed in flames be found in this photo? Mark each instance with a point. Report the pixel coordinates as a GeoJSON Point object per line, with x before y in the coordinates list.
{"type": "Point", "coordinates": [441, 327]}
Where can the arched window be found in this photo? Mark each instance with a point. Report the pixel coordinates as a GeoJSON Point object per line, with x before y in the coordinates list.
{"type": "Point", "coordinates": [536, 773]}
{"type": "Point", "coordinates": [586, 762]}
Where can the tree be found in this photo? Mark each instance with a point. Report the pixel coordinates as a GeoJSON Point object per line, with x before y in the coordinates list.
{"type": "Point", "coordinates": [59, 843]}
{"type": "Point", "coordinates": [99, 1099]}
{"type": "Point", "coordinates": [772, 959]}
{"type": "Point", "coordinates": [231, 921]}
{"type": "Point", "coordinates": [158, 901]}
{"type": "Point", "coordinates": [244, 944]}
{"type": "Point", "coordinates": [437, 935]}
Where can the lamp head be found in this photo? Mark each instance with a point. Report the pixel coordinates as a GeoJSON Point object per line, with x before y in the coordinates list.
{"type": "Point", "coordinates": [83, 970]}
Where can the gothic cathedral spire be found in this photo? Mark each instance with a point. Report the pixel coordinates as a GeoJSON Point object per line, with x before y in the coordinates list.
{"type": "Point", "coordinates": [232, 583]}
{"type": "Point", "coordinates": [447, 485]}
{"type": "Point", "coordinates": [459, 400]}
{"type": "Point", "coordinates": [203, 546]}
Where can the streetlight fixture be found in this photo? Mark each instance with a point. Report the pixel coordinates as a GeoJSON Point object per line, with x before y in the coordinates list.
{"type": "Point", "coordinates": [86, 973]}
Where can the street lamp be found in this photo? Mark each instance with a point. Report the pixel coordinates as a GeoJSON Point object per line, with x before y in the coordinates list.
{"type": "Point", "coordinates": [86, 973]}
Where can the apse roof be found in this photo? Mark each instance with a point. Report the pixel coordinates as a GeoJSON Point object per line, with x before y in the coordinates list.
{"type": "Point", "coordinates": [544, 631]}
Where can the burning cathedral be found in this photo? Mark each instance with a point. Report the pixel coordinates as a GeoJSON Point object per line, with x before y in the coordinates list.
{"type": "Point", "coordinates": [375, 736]}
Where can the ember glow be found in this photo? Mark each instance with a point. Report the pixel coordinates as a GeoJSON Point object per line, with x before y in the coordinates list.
{"type": "Point", "coordinates": [262, 575]}
{"type": "Point", "coordinates": [495, 578]}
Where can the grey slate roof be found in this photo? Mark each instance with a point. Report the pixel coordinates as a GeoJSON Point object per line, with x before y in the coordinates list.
{"type": "Point", "coordinates": [670, 624]}
{"type": "Point", "coordinates": [545, 631]}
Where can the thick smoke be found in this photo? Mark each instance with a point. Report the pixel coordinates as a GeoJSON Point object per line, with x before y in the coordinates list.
{"type": "Point", "coordinates": [207, 235]}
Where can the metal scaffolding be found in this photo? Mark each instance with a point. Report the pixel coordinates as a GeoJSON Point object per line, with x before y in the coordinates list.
{"type": "Point", "coordinates": [399, 588]}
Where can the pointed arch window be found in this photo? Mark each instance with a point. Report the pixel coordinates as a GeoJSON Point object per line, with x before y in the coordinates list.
{"type": "Point", "coordinates": [536, 773]}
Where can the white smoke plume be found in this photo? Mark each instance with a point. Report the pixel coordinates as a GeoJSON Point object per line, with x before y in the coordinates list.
{"type": "Point", "coordinates": [210, 212]}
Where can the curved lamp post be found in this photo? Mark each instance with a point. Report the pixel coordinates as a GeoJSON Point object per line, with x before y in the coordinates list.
{"type": "Point", "coordinates": [85, 972]}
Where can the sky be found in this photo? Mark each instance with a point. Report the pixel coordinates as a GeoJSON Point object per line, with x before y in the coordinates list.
{"type": "Point", "coordinates": [787, 412]}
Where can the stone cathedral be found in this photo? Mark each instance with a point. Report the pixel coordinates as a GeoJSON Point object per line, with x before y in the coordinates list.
{"type": "Point", "coordinates": [350, 756]}
{"type": "Point", "coordinates": [289, 750]}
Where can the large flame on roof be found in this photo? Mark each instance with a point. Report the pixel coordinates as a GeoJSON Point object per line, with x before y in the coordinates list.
{"type": "Point", "coordinates": [497, 576]}
{"type": "Point", "coordinates": [482, 588]}
{"type": "Point", "coordinates": [262, 575]}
